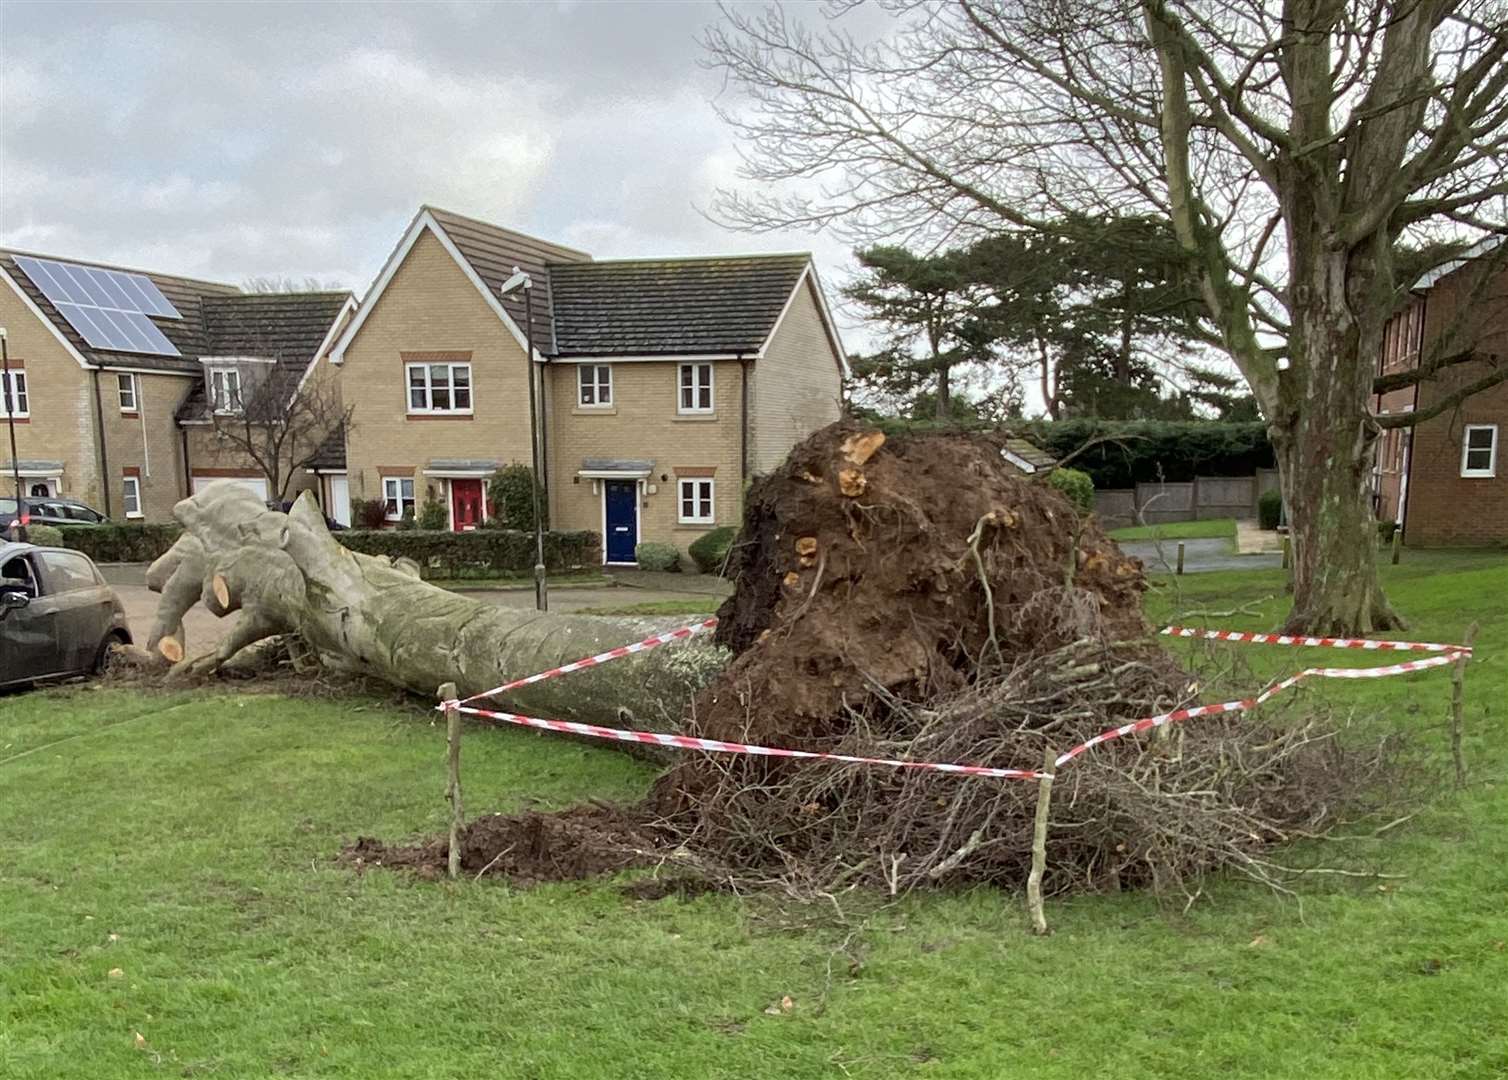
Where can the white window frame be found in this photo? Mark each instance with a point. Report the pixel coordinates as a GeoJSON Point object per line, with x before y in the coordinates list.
{"type": "Point", "coordinates": [697, 498]}
{"type": "Point", "coordinates": [396, 497]}
{"type": "Point", "coordinates": [131, 492]}
{"type": "Point", "coordinates": [428, 408]}
{"type": "Point", "coordinates": [16, 389]}
{"type": "Point", "coordinates": [589, 378]}
{"type": "Point", "coordinates": [125, 386]}
{"type": "Point", "coordinates": [696, 387]}
{"type": "Point", "coordinates": [1492, 452]}
{"type": "Point", "coordinates": [230, 403]}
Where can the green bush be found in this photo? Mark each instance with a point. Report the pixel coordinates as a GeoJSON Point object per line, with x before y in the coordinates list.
{"type": "Point", "coordinates": [652, 556]}
{"type": "Point", "coordinates": [511, 492]}
{"type": "Point", "coordinates": [368, 513]}
{"type": "Point", "coordinates": [433, 515]}
{"type": "Point", "coordinates": [1146, 451]}
{"type": "Point", "coordinates": [44, 535]}
{"type": "Point", "coordinates": [478, 554]}
{"type": "Point", "coordinates": [121, 543]}
{"type": "Point", "coordinates": [1270, 508]}
{"type": "Point", "coordinates": [1385, 531]}
{"type": "Point", "coordinates": [1076, 487]}
{"type": "Point", "coordinates": [710, 550]}
{"type": "Point", "coordinates": [407, 521]}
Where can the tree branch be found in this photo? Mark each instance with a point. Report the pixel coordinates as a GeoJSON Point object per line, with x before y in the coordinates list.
{"type": "Point", "coordinates": [1449, 401]}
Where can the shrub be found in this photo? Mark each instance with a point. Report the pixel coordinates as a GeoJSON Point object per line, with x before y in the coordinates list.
{"type": "Point", "coordinates": [44, 535]}
{"type": "Point", "coordinates": [482, 553]}
{"type": "Point", "coordinates": [1147, 451]}
{"type": "Point", "coordinates": [710, 550]}
{"type": "Point", "coordinates": [368, 513]}
{"type": "Point", "coordinates": [1076, 487]}
{"type": "Point", "coordinates": [434, 514]}
{"type": "Point", "coordinates": [407, 522]}
{"type": "Point", "coordinates": [121, 543]}
{"type": "Point", "coordinates": [1270, 509]}
{"type": "Point", "coordinates": [511, 493]}
{"type": "Point", "coordinates": [1385, 531]}
{"type": "Point", "coordinates": [652, 556]}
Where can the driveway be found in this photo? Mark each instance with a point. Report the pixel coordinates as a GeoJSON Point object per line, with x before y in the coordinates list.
{"type": "Point", "coordinates": [1199, 556]}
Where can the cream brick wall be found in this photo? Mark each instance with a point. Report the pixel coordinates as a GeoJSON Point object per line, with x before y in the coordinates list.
{"type": "Point", "coordinates": [797, 385]}
{"type": "Point", "coordinates": [60, 399]}
{"type": "Point", "coordinates": [430, 306]}
{"type": "Point", "coordinates": [643, 424]}
{"type": "Point", "coordinates": [146, 441]}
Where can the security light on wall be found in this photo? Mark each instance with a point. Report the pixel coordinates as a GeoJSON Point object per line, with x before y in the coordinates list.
{"type": "Point", "coordinates": [519, 279]}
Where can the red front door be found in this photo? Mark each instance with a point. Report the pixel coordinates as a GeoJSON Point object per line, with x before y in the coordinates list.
{"type": "Point", "coordinates": [465, 504]}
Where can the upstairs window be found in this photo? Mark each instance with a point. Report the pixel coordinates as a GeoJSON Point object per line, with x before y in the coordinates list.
{"type": "Point", "coordinates": [13, 399]}
{"type": "Point", "coordinates": [696, 389]}
{"type": "Point", "coordinates": [1479, 450]}
{"type": "Point", "coordinates": [126, 388]}
{"type": "Point", "coordinates": [439, 388]}
{"type": "Point", "coordinates": [695, 502]}
{"type": "Point", "coordinates": [594, 385]}
{"type": "Point", "coordinates": [225, 389]}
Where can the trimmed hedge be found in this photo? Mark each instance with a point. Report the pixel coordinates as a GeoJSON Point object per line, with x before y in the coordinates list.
{"type": "Point", "coordinates": [652, 556]}
{"type": "Point", "coordinates": [44, 535]}
{"type": "Point", "coordinates": [1270, 509]}
{"type": "Point", "coordinates": [482, 553]}
{"type": "Point", "coordinates": [1075, 486]}
{"type": "Point", "coordinates": [121, 543]}
{"type": "Point", "coordinates": [710, 550]}
{"type": "Point", "coordinates": [1153, 450]}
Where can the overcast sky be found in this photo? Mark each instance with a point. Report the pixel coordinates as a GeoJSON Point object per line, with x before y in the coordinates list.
{"type": "Point", "coordinates": [239, 140]}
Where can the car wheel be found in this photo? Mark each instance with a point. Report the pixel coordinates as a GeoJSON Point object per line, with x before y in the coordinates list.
{"type": "Point", "coordinates": [103, 657]}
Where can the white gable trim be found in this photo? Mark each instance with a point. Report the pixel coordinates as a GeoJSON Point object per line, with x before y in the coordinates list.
{"type": "Point", "coordinates": [45, 321]}
{"type": "Point", "coordinates": [327, 341]}
{"type": "Point", "coordinates": [423, 222]}
{"type": "Point", "coordinates": [810, 273]}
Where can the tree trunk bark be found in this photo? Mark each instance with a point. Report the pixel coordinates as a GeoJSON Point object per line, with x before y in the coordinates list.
{"type": "Point", "coordinates": [284, 573]}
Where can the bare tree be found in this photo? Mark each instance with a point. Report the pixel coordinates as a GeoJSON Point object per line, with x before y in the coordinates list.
{"type": "Point", "coordinates": [1315, 158]}
{"type": "Point", "coordinates": [278, 427]}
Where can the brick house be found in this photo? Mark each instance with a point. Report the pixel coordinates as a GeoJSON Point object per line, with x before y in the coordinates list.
{"type": "Point", "coordinates": [1444, 481]}
{"type": "Point", "coordinates": [664, 384]}
{"type": "Point", "coordinates": [105, 360]}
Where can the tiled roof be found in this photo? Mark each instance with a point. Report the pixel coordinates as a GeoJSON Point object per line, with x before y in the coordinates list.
{"type": "Point", "coordinates": [652, 307]}
{"type": "Point", "coordinates": [185, 294]}
{"type": "Point", "coordinates": [331, 454]}
{"type": "Point", "coordinates": [286, 328]}
{"type": "Point", "coordinates": [493, 252]}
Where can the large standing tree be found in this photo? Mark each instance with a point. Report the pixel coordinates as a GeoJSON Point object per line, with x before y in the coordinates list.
{"type": "Point", "coordinates": [1314, 159]}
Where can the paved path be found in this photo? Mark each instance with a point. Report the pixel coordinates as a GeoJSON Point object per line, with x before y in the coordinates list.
{"type": "Point", "coordinates": [1199, 556]}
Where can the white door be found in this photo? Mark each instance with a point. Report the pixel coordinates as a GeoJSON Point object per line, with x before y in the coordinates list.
{"type": "Point", "coordinates": [340, 500]}
{"type": "Point", "coordinates": [256, 483]}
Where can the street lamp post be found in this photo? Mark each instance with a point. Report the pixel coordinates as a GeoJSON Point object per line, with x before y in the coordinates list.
{"type": "Point", "coordinates": [10, 399]}
{"type": "Point", "coordinates": [522, 280]}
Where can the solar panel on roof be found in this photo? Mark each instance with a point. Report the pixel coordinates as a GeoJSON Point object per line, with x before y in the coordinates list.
{"type": "Point", "coordinates": [109, 308]}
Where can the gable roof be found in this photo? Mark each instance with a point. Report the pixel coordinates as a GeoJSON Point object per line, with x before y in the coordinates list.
{"type": "Point", "coordinates": [185, 294]}
{"type": "Point", "coordinates": [698, 306]}
{"type": "Point", "coordinates": [286, 328]}
{"type": "Point", "coordinates": [669, 307]}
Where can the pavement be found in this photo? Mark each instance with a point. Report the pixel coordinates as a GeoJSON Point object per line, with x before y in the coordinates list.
{"type": "Point", "coordinates": [1199, 556]}
{"type": "Point", "coordinates": [204, 631]}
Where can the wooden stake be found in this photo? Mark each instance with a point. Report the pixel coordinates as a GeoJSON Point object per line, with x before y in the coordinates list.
{"type": "Point", "coordinates": [448, 693]}
{"type": "Point", "coordinates": [1397, 545]}
{"type": "Point", "coordinates": [1039, 845]}
{"type": "Point", "coordinates": [1458, 705]}
{"type": "Point", "coordinates": [1180, 556]}
{"type": "Point", "coordinates": [1287, 552]}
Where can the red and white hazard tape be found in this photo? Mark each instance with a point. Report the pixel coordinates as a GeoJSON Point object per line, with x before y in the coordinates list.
{"type": "Point", "coordinates": [717, 746]}
{"type": "Point", "coordinates": [1318, 642]}
{"type": "Point", "coordinates": [1178, 715]}
{"type": "Point", "coordinates": [1449, 655]}
{"type": "Point", "coordinates": [601, 658]}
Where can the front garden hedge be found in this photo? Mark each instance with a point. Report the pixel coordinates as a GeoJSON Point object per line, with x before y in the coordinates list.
{"type": "Point", "coordinates": [121, 543]}
{"type": "Point", "coordinates": [478, 554]}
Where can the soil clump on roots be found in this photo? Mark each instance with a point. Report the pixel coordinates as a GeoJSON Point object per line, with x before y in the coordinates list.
{"type": "Point", "coordinates": [917, 598]}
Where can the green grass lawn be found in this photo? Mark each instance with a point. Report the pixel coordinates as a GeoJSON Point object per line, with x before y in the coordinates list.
{"type": "Point", "coordinates": [186, 844]}
{"type": "Point", "coordinates": [691, 605]}
{"type": "Point", "coordinates": [1214, 529]}
{"type": "Point", "coordinates": [583, 579]}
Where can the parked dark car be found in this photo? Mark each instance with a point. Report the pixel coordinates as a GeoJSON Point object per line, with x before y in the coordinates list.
{"type": "Point", "coordinates": [50, 511]}
{"type": "Point", "coordinates": [57, 615]}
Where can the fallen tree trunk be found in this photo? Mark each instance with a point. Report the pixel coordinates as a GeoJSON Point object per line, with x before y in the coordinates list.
{"type": "Point", "coordinates": [284, 574]}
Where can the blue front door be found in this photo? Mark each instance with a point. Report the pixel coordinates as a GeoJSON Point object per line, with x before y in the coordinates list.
{"type": "Point", "coordinates": [622, 519]}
